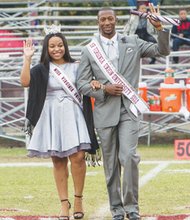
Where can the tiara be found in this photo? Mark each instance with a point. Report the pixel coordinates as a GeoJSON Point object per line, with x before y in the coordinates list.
{"type": "Point", "coordinates": [53, 29]}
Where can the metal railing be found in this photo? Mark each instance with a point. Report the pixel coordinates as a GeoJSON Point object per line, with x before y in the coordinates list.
{"type": "Point", "coordinates": [22, 24]}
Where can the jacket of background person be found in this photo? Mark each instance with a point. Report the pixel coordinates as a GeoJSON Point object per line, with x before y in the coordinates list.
{"type": "Point", "coordinates": [132, 24]}
{"type": "Point", "coordinates": [183, 28]}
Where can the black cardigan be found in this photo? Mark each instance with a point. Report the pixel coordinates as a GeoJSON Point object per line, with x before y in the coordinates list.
{"type": "Point", "coordinates": [37, 94]}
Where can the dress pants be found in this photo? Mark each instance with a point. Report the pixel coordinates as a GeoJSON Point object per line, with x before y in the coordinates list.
{"type": "Point", "coordinates": [119, 145]}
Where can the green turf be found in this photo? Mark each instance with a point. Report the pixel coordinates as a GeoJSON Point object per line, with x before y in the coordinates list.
{"type": "Point", "coordinates": [156, 152]}
{"type": "Point", "coordinates": [32, 190]}
{"type": "Point", "coordinates": [168, 193]}
{"type": "Point", "coordinates": [17, 154]}
{"type": "Point", "coordinates": [144, 168]}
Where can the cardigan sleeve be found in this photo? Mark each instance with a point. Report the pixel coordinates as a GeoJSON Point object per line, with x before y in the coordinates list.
{"type": "Point", "coordinates": [37, 92]}
{"type": "Point", "coordinates": [88, 115]}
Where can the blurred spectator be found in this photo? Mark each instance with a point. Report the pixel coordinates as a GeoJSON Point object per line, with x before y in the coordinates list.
{"type": "Point", "coordinates": [180, 32]}
{"type": "Point", "coordinates": [141, 26]}
{"type": "Point", "coordinates": [136, 2]}
{"type": "Point", "coordinates": [132, 2]}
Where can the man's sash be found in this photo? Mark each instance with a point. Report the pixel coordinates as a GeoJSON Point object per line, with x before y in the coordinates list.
{"type": "Point", "coordinates": [65, 82]}
{"type": "Point", "coordinates": [137, 103]}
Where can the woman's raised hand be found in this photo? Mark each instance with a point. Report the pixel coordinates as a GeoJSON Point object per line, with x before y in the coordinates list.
{"type": "Point", "coordinates": [28, 48]}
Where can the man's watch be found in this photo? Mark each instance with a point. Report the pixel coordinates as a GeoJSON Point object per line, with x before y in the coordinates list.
{"type": "Point", "coordinates": [103, 87]}
{"type": "Point", "coordinates": [159, 28]}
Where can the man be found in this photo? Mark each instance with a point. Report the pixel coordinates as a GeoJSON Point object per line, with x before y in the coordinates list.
{"type": "Point", "coordinates": [115, 119]}
{"type": "Point", "coordinates": [180, 32]}
{"type": "Point", "coordinates": [141, 26]}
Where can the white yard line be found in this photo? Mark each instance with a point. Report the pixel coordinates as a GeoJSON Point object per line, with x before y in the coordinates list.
{"type": "Point", "coordinates": [152, 173]}
{"type": "Point", "coordinates": [49, 164]}
{"type": "Point", "coordinates": [165, 161]}
{"type": "Point", "coordinates": [103, 210]}
{"type": "Point", "coordinates": [6, 218]}
{"type": "Point", "coordinates": [27, 164]}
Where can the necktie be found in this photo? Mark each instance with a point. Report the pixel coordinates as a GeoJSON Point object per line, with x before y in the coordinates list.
{"type": "Point", "coordinates": [112, 53]}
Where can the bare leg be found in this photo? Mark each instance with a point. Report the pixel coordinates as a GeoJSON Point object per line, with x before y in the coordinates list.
{"type": "Point", "coordinates": [61, 175]}
{"type": "Point", "coordinates": [78, 170]}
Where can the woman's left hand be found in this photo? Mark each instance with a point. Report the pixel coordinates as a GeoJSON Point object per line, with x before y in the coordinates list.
{"type": "Point", "coordinates": [28, 48]}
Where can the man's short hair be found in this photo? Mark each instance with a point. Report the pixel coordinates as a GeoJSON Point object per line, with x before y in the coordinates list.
{"type": "Point", "coordinates": [182, 9]}
{"type": "Point", "coordinates": [106, 9]}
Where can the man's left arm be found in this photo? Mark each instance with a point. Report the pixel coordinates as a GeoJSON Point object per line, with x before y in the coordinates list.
{"type": "Point", "coordinates": [164, 42]}
{"type": "Point", "coordinates": [163, 45]}
{"type": "Point", "coordinates": [161, 48]}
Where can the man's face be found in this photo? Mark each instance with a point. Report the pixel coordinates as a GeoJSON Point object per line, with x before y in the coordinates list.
{"type": "Point", "coordinates": [107, 21]}
{"type": "Point", "coordinates": [182, 15]}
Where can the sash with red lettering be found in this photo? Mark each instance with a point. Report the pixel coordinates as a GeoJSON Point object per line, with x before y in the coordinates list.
{"type": "Point", "coordinates": [107, 68]}
{"type": "Point", "coordinates": [65, 82]}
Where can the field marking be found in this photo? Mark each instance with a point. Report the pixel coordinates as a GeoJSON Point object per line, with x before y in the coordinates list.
{"type": "Point", "coordinates": [178, 171]}
{"type": "Point", "coordinates": [49, 164]}
{"type": "Point", "coordinates": [164, 217]}
{"type": "Point", "coordinates": [103, 210]}
{"type": "Point", "coordinates": [27, 164]}
{"type": "Point", "coordinates": [152, 173]}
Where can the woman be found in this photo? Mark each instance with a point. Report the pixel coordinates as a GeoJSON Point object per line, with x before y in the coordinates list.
{"type": "Point", "coordinates": [59, 131]}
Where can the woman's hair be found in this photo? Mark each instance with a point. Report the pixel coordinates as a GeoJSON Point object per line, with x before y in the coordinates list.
{"type": "Point", "coordinates": [45, 57]}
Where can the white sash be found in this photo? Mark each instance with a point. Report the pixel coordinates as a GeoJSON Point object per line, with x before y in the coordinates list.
{"type": "Point", "coordinates": [65, 82]}
{"type": "Point", "coordinates": [137, 103]}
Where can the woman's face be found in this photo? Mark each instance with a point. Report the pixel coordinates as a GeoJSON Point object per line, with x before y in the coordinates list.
{"type": "Point", "coordinates": [56, 49]}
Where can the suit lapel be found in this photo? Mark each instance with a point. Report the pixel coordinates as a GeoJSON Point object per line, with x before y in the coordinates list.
{"type": "Point", "coordinates": [122, 50]}
{"type": "Point", "coordinates": [122, 45]}
{"type": "Point", "coordinates": [100, 42]}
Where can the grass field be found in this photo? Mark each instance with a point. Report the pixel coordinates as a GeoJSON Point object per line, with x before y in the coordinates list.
{"type": "Point", "coordinates": [26, 191]}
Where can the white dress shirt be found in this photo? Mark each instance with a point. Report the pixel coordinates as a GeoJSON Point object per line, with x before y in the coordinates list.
{"type": "Point", "coordinates": [105, 41]}
{"type": "Point", "coordinates": [114, 55]}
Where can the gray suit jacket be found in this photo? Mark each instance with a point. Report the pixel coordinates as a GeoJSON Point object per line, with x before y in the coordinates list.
{"type": "Point", "coordinates": [131, 49]}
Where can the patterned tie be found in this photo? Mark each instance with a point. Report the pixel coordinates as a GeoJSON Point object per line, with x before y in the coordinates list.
{"type": "Point", "coordinates": [112, 53]}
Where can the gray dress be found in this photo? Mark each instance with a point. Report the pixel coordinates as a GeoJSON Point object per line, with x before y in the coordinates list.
{"type": "Point", "coordinates": [61, 129]}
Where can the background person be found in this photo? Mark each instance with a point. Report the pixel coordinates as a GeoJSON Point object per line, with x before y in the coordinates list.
{"type": "Point", "coordinates": [60, 130]}
{"type": "Point", "coordinates": [141, 26]}
{"type": "Point", "coordinates": [117, 127]}
{"type": "Point", "coordinates": [180, 32]}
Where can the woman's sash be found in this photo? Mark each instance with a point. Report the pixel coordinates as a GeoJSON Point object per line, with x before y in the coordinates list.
{"type": "Point", "coordinates": [137, 103]}
{"type": "Point", "coordinates": [65, 82]}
